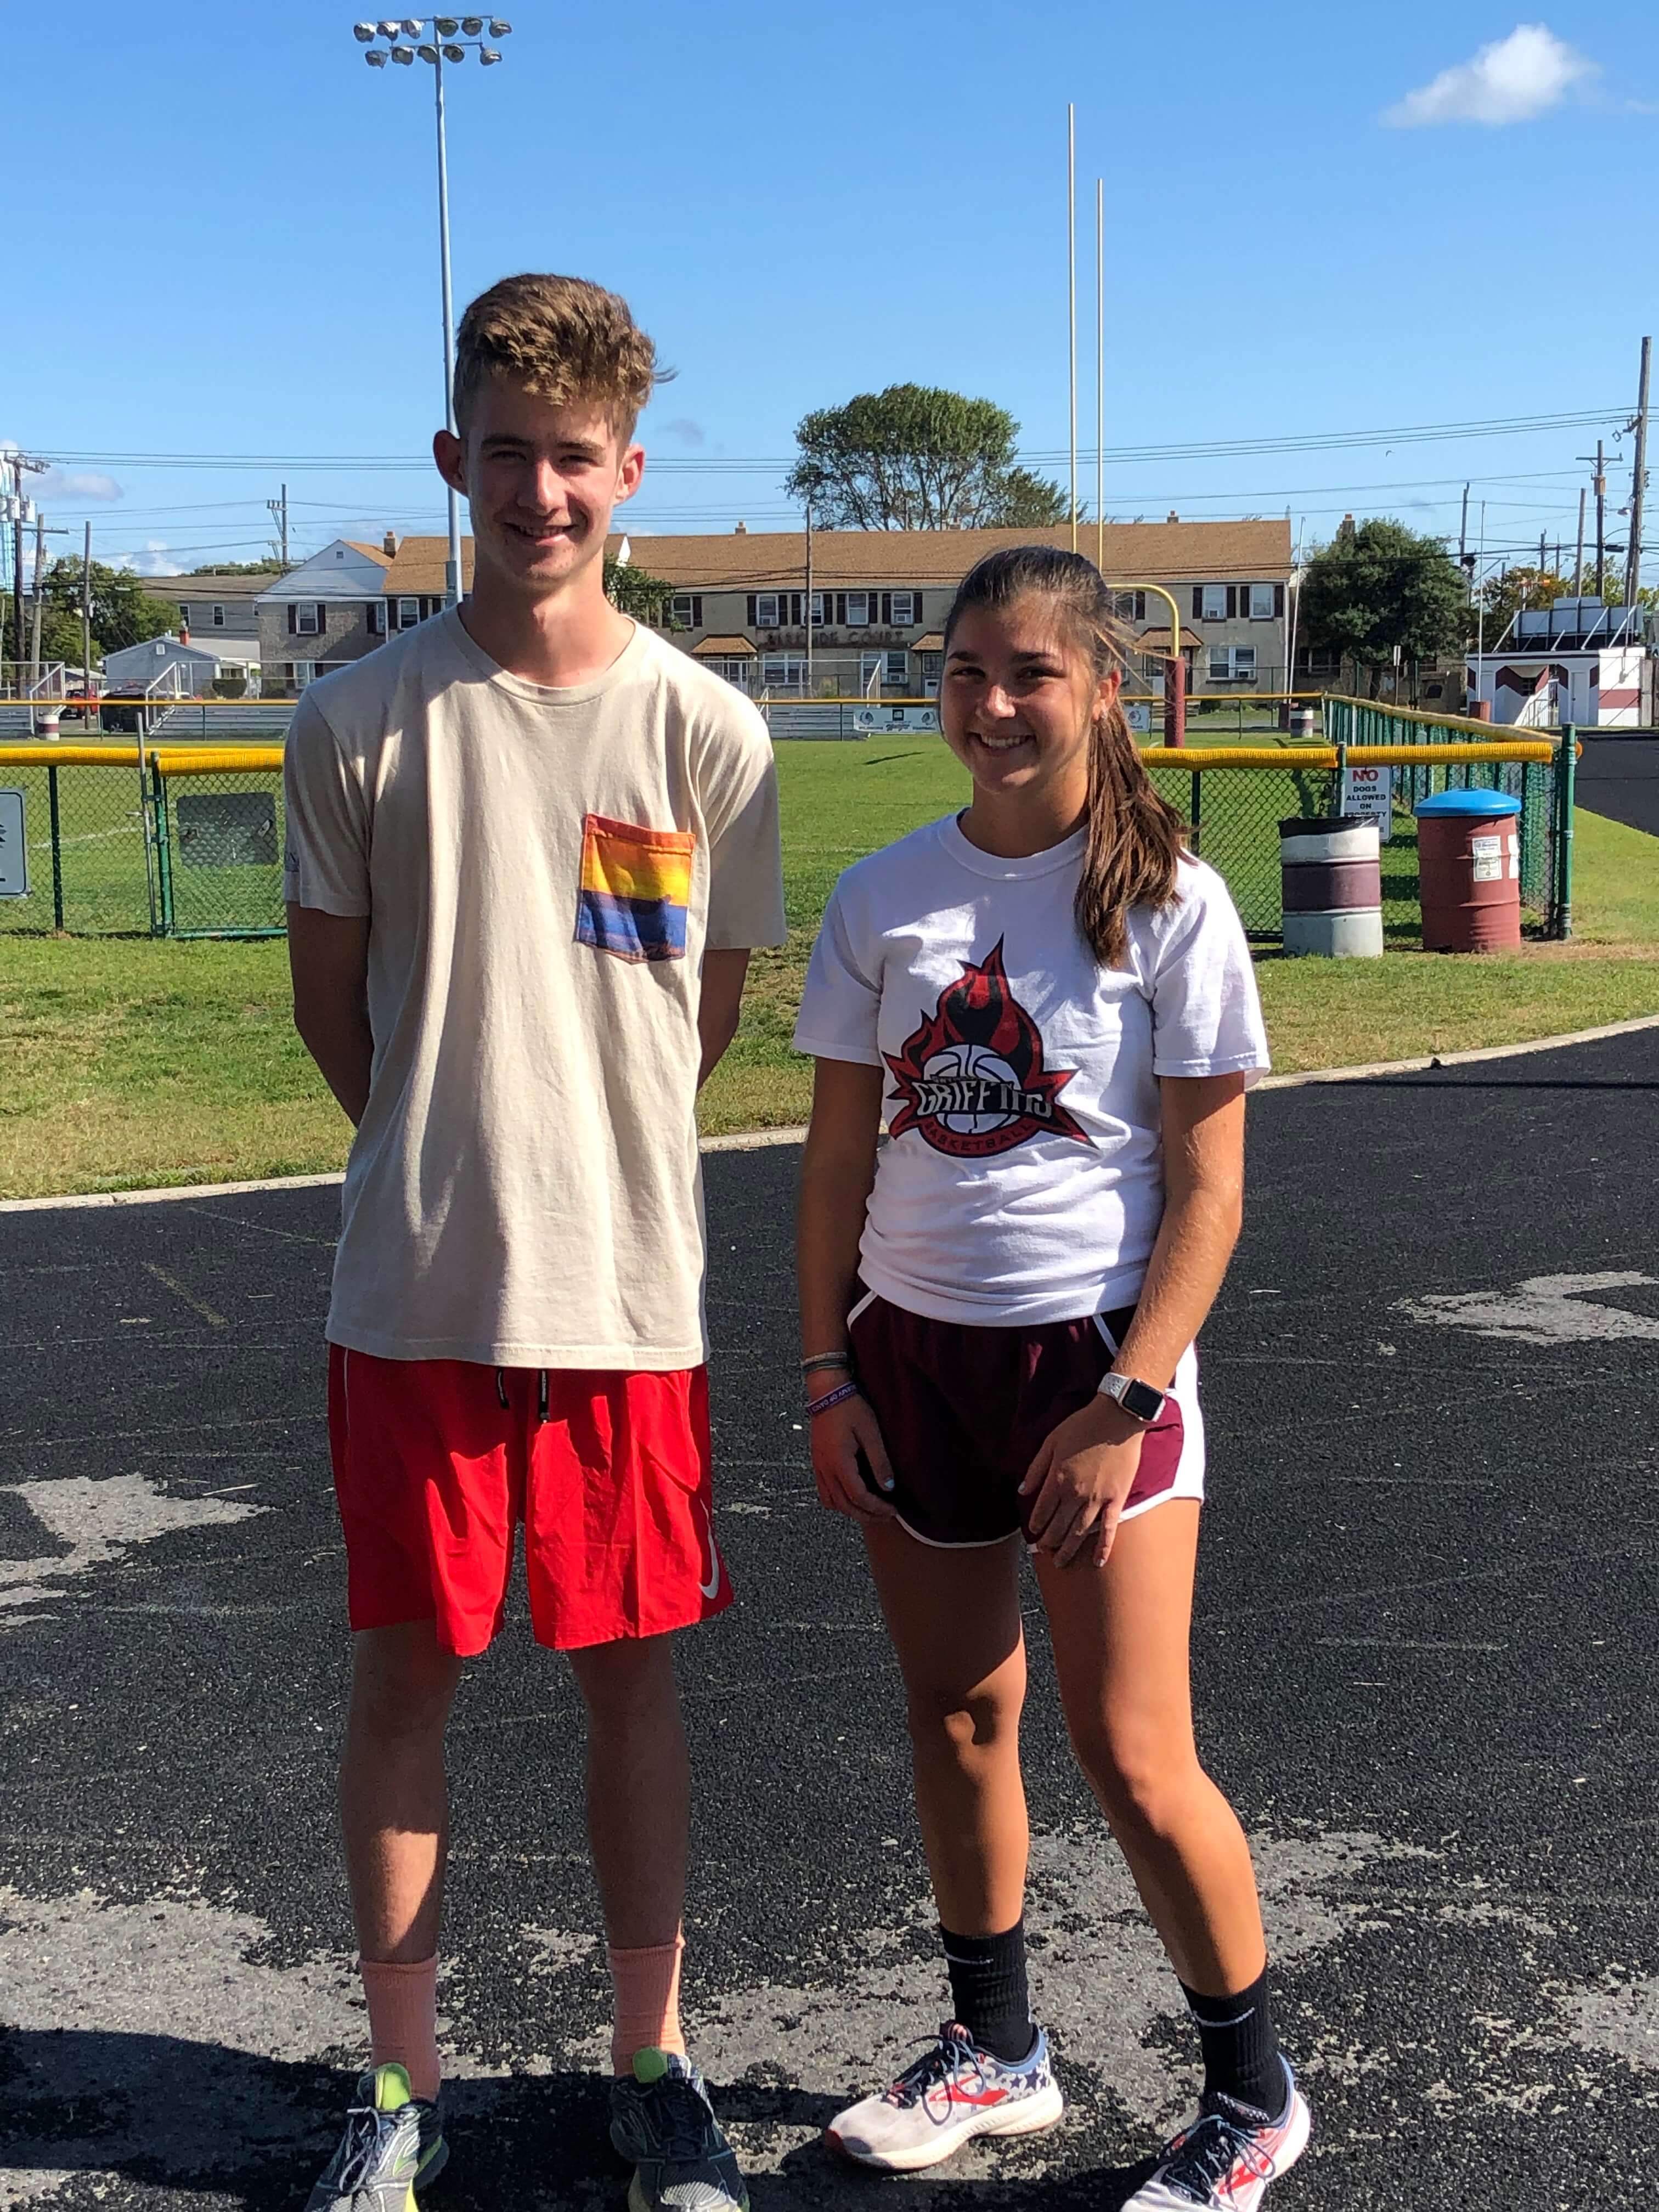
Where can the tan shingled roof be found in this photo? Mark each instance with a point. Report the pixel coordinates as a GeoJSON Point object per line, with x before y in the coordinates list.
{"type": "Point", "coordinates": [717, 648]}
{"type": "Point", "coordinates": [1134, 553]}
{"type": "Point", "coordinates": [379, 552]}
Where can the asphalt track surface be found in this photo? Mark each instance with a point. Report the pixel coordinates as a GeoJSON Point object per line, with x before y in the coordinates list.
{"type": "Point", "coordinates": [1426, 1668]}
{"type": "Point", "coordinates": [1619, 777]}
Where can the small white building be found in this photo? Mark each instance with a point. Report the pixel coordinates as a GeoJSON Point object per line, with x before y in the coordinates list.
{"type": "Point", "coordinates": [135, 667]}
{"type": "Point", "coordinates": [1576, 661]}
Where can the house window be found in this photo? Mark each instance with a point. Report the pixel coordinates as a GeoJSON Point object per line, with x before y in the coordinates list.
{"type": "Point", "coordinates": [686, 608]}
{"type": "Point", "coordinates": [898, 671]}
{"type": "Point", "coordinates": [904, 610]}
{"type": "Point", "coordinates": [409, 613]}
{"type": "Point", "coordinates": [1213, 607]}
{"type": "Point", "coordinates": [1129, 606]}
{"type": "Point", "coordinates": [377, 617]}
{"type": "Point", "coordinates": [817, 609]}
{"type": "Point", "coordinates": [783, 672]}
{"type": "Point", "coordinates": [735, 671]}
{"type": "Point", "coordinates": [933, 667]}
{"type": "Point", "coordinates": [184, 614]}
{"type": "Point", "coordinates": [305, 618]}
{"type": "Point", "coordinates": [218, 618]}
{"type": "Point", "coordinates": [1232, 663]}
{"type": "Point", "coordinates": [858, 609]}
{"type": "Point", "coordinates": [766, 615]}
{"type": "Point", "coordinates": [1263, 602]}
{"type": "Point", "coordinates": [305, 671]}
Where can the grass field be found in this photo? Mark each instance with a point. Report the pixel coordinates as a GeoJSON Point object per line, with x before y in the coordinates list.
{"type": "Point", "coordinates": [126, 1063]}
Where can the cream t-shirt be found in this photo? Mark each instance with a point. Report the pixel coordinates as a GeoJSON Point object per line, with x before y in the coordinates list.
{"type": "Point", "coordinates": [544, 871]}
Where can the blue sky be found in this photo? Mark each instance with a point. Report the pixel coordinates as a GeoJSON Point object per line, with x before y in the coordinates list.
{"type": "Point", "coordinates": [1320, 221]}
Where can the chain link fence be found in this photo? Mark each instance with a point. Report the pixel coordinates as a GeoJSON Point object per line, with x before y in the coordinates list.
{"type": "Point", "coordinates": [187, 840]}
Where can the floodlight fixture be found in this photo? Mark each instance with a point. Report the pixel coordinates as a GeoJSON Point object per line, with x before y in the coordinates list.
{"type": "Point", "coordinates": [454, 54]}
{"type": "Point", "coordinates": [375, 57]}
{"type": "Point", "coordinates": [426, 54]}
{"type": "Point", "coordinates": [403, 56]}
{"type": "Point", "coordinates": [499, 29]}
{"type": "Point", "coordinates": [363, 32]}
{"type": "Point", "coordinates": [487, 55]}
{"type": "Point", "coordinates": [412, 27]}
{"type": "Point", "coordinates": [445, 25]}
{"type": "Point", "coordinates": [472, 25]}
{"type": "Point", "coordinates": [388, 28]}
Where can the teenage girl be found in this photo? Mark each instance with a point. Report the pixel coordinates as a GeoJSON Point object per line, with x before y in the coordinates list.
{"type": "Point", "coordinates": [1052, 1006]}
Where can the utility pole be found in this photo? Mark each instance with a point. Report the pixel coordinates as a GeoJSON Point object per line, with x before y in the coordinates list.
{"type": "Point", "coordinates": [20, 463]}
{"type": "Point", "coordinates": [809, 598]}
{"type": "Point", "coordinates": [1463, 532]}
{"type": "Point", "coordinates": [1633, 559]}
{"type": "Point", "coordinates": [1579, 563]}
{"type": "Point", "coordinates": [1599, 486]}
{"type": "Point", "coordinates": [277, 509]}
{"type": "Point", "coordinates": [85, 617]}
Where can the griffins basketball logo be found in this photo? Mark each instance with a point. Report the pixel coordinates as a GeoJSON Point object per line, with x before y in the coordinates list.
{"type": "Point", "coordinates": [970, 1080]}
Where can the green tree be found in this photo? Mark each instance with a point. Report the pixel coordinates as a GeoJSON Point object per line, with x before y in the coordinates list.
{"type": "Point", "coordinates": [916, 458]}
{"type": "Point", "coordinates": [268, 567]}
{"type": "Point", "coordinates": [1377, 586]}
{"type": "Point", "coordinates": [645, 598]}
{"type": "Point", "coordinates": [122, 613]}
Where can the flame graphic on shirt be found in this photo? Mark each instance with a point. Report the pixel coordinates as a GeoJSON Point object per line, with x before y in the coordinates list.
{"type": "Point", "coordinates": [970, 1077]}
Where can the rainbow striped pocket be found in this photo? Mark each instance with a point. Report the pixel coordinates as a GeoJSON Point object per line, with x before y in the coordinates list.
{"type": "Point", "coordinates": [635, 889]}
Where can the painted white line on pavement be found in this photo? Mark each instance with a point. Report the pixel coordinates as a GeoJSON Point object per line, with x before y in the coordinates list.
{"type": "Point", "coordinates": [755, 1141]}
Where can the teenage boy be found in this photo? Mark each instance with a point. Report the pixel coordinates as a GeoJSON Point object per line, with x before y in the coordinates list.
{"type": "Point", "coordinates": [529, 846]}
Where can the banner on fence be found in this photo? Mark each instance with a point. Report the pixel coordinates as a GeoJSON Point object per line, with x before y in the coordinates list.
{"type": "Point", "coordinates": [1368, 793]}
{"type": "Point", "coordinates": [867, 720]}
{"type": "Point", "coordinates": [13, 847]}
{"type": "Point", "coordinates": [226, 829]}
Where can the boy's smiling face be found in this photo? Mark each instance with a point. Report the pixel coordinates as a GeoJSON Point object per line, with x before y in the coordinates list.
{"type": "Point", "coordinates": [542, 480]}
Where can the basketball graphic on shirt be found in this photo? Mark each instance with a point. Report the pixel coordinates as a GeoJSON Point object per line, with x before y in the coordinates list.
{"type": "Point", "coordinates": [970, 1078]}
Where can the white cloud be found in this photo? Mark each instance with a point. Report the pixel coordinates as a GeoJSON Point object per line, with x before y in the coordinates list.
{"type": "Point", "coordinates": [153, 560]}
{"type": "Point", "coordinates": [1510, 81]}
{"type": "Point", "coordinates": [684, 427]}
{"type": "Point", "coordinates": [52, 486]}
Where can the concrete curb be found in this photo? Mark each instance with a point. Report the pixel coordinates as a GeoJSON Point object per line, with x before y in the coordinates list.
{"type": "Point", "coordinates": [757, 1140]}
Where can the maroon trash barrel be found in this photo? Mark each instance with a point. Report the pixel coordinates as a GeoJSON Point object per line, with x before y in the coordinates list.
{"type": "Point", "coordinates": [1468, 866]}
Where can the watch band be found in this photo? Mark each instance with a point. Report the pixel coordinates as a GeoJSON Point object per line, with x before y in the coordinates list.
{"type": "Point", "coordinates": [1138, 1400]}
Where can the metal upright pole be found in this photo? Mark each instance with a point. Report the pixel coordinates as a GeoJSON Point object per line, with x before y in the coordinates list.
{"type": "Point", "coordinates": [1601, 519]}
{"type": "Point", "coordinates": [1638, 494]}
{"type": "Point", "coordinates": [1071, 287]}
{"type": "Point", "coordinates": [1100, 373]}
{"type": "Point", "coordinates": [86, 623]}
{"type": "Point", "coordinates": [1578, 563]}
{"type": "Point", "coordinates": [452, 571]}
{"type": "Point", "coordinates": [40, 585]}
{"type": "Point", "coordinates": [808, 609]}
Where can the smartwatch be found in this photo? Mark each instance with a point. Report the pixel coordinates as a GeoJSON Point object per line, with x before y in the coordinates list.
{"type": "Point", "coordinates": [1139, 1399]}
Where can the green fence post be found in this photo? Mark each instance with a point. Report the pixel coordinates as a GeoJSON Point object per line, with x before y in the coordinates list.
{"type": "Point", "coordinates": [1566, 768]}
{"type": "Point", "coordinates": [163, 847]}
{"type": "Point", "coordinates": [57, 849]}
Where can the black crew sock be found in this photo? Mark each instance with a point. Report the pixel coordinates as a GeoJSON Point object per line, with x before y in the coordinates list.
{"type": "Point", "coordinates": [1241, 2048]}
{"type": "Point", "coordinates": [988, 1990]}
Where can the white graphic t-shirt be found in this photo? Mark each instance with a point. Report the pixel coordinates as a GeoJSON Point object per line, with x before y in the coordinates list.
{"type": "Point", "coordinates": [543, 871]}
{"type": "Point", "coordinates": [1024, 1181]}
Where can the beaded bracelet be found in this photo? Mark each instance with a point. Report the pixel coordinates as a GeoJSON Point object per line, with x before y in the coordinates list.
{"type": "Point", "coordinates": [836, 1397]}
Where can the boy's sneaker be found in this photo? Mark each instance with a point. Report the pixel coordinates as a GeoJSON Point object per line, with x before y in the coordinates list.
{"type": "Point", "coordinates": [663, 2123]}
{"type": "Point", "coordinates": [393, 2144]}
{"type": "Point", "coordinates": [1227, 2157]}
{"type": "Point", "coordinates": [954, 2092]}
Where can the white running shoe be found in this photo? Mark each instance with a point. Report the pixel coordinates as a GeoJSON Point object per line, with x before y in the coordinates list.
{"type": "Point", "coordinates": [955, 2091]}
{"type": "Point", "coordinates": [1226, 2158]}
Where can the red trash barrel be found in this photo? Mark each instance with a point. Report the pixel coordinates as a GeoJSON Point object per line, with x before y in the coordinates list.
{"type": "Point", "coordinates": [1468, 865]}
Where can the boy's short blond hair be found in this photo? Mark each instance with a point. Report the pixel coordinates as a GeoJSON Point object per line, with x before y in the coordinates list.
{"type": "Point", "coordinates": [562, 339]}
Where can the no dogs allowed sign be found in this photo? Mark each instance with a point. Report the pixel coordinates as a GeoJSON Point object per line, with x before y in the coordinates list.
{"type": "Point", "coordinates": [1369, 793]}
{"type": "Point", "coordinates": [13, 848]}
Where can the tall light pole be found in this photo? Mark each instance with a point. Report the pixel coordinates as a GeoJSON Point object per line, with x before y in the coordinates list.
{"type": "Point", "coordinates": [436, 39]}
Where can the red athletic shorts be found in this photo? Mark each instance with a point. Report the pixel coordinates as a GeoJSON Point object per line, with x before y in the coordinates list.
{"type": "Point", "coordinates": [436, 1460]}
{"type": "Point", "coordinates": [964, 1410]}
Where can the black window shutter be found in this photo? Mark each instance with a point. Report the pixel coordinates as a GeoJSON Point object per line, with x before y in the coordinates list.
{"type": "Point", "coordinates": [840, 609]}
{"type": "Point", "coordinates": [1232, 602]}
{"type": "Point", "coordinates": [293, 619]}
{"type": "Point", "coordinates": [1278, 599]}
{"type": "Point", "coordinates": [887, 609]}
{"type": "Point", "coordinates": [697, 613]}
{"type": "Point", "coordinates": [754, 619]}
{"type": "Point", "coordinates": [916, 606]}
{"type": "Point", "coordinates": [1198, 602]}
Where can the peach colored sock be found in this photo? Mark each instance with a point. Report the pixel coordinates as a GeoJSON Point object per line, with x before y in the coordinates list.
{"type": "Point", "coordinates": [403, 2020]}
{"type": "Point", "coordinates": [646, 1986]}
